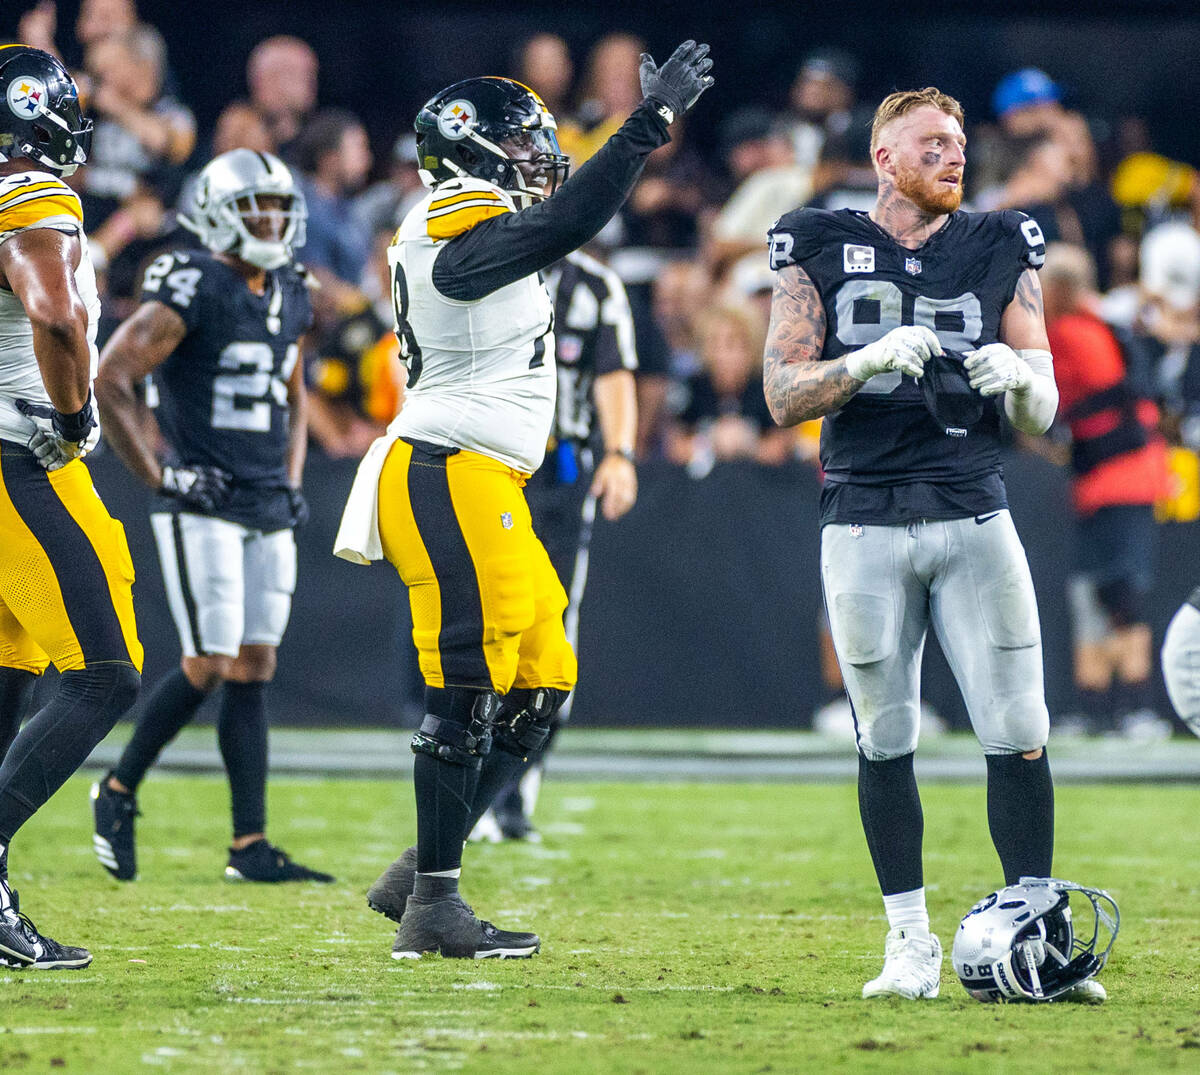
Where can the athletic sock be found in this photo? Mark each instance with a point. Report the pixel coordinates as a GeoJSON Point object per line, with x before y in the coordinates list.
{"type": "Point", "coordinates": [171, 706]}
{"type": "Point", "coordinates": [59, 737]}
{"type": "Point", "coordinates": [890, 807]}
{"type": "Point", "coordinates": [242, 737]}
{"type": "Point", "coordinates": [444, 789]}
{"type": "Point", "coordinates": [1020, 802]}
{"type": "Point", "coordinates": [906, 910]}
{"type": "Point", "coordinates": [434, 886]}
{"type": "Point", "coordinates": [16, 692]}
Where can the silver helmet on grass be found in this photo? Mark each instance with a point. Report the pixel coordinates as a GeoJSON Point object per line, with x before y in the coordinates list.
{"type": "Point", "coordinates": [1021, 942]}
{"type": "Point", "coordinates": [227, 196]}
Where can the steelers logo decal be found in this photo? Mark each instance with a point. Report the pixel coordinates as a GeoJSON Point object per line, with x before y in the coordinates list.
{"type": "Point", "coordinates": [26, 97]}
{"type": "Point", "coordinates": [456, 119]}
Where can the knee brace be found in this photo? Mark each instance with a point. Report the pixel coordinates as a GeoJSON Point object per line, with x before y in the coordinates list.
{"type": "Point", "coordinates": [525, 717]}
{"type": "Point", "coordinates": [446, 736]}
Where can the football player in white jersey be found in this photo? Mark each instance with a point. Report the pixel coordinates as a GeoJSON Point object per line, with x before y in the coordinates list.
{"type": "Point", "coordinates": [65, 571]}
{"type": "Point", "coordinates": [440, 495]}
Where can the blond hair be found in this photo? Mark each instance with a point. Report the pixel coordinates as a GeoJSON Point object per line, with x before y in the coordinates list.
{"type": "Point", "coordinates": [895, 105]}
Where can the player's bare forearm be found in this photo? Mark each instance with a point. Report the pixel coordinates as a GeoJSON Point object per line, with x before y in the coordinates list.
{"type": "Point", "coordinates": [137, 348]}
{"type": "Point", "coordinates": [615, 395]}
{"type": "Point", "coordinates": [39, 268]}
{"type": "Point", "coordinates": [64, 359]}
{"type": "Point", "coordinates": [297, 426]}
{"type": "Point", "coordinates": [797, 383]}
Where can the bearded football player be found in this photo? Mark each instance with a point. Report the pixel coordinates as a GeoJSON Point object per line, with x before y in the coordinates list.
{"type": "Point", "coordinates": [916, 330]}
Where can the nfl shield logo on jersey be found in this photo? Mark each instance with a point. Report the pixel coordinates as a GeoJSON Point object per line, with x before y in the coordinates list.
{"type": "Point", "coordinates": [912, 266]}
{"type": "Point", "coordinates": [506, 520]}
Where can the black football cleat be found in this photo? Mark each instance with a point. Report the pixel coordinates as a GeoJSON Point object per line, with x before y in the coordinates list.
{"type": "Point", "coordinates": [113, 841]}
{"type": "Point", "coordinates": [389, 894]}
{"type": "Point", "coordinates": [261, 861]}
{"type": "Point", "coordinates": [449, 927]}
{"type": "Point", "coordinates": [22, 946]}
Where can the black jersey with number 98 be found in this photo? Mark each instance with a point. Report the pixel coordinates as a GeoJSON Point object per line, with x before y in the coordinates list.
{"type": "Point", "coordinates": [885, 458]}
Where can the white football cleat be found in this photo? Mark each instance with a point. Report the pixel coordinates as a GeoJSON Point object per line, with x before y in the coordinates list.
{"type": "Point", "coordinates": [486, 830]}
{"type": "Point", "coordinates": [912, 966]}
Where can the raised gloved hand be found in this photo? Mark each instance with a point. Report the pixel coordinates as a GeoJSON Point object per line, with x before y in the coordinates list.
{"type": "Point", "coordinates": [904, 350]}
{"type": "Point", "coordinates": [996, 368]}
{"type": "Point", "coordinates": [59, 437]}
{"type": "Point", "coordinates": [202, 487]}
{"type": "Point", "coordinates": [680, 81]}
{"type": "Point", "coordinates": [298, 506]}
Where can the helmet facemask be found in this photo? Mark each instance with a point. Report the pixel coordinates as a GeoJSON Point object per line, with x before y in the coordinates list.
{"type": "Point", "coordinates": [496, 130]}
{"type": "Point", "coordinates": [538, 167]}
{"type": "Point", "coordinates": [42, 119]}
{"type": "Point", "coordinates": [236, 196]}
{"type": "Point", "coordinates": [242, 216]}
{"type": "Point", "coordinates": [1021, 943]}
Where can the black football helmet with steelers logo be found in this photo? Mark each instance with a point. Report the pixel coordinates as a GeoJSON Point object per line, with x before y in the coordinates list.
{"type": "Point", "coordinates": [494, 129]}
{"type": "Point", "coordinates": [40, 117]}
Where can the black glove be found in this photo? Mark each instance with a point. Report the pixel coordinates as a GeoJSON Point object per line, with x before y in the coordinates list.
{"type": "Point", "coordinates": [299, 508]}
{"type": "Point", "coordinates": [59, 437]}
{"type": "Point", "coordinates": [680, 81]}
{"type": "Point", "coordinates": [203, 487]}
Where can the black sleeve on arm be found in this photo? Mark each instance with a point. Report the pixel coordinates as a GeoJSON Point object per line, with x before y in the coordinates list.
{"type": "Point", "coordinates": [504, 249]}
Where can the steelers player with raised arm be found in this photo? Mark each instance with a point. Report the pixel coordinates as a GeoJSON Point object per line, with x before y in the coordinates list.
{"type": "Point", "coordinates": [915, 329]}
{"type": "Point", "coordinates": [440, 495]}
{"type": "Point", "coordinates": [66, 576]}
{"type": "Point", "coordinates": [219, 330]}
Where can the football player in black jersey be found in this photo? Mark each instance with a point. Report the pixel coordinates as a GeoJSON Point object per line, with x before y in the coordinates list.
{"type": "Point", "coordinates": [910, 329]}
{"type": "Point", "coordinates": [220, 329]}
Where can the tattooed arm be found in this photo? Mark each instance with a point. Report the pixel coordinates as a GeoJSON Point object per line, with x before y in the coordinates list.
{"type": "Point", "coordinates": [1023, 323]}
{"type": "Point", "coordinates": [797, 383]}
{"type": "Point", "coordinates": [1021, 366]}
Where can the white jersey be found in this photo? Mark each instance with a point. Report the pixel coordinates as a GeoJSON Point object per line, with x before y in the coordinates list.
{"type": "Point", "coordinates": [482, 372]}
{"type": "Point", "coordinates": [30, 200]}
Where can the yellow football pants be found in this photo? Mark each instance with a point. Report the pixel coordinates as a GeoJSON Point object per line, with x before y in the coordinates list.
{"type": "Point", "coordinates": [486, 603]}
{"type": "Point", "coordinates": [66, 576]}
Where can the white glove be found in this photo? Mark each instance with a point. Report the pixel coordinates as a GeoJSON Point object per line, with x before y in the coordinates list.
{"type": "Point", "coordinates": [904, 349]}
{"type": "Point", "coordinates": [996, 368]}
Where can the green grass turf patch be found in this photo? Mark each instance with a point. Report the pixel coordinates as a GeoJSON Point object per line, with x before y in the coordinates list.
{"type": "Point", "coordinates": [686, 928]}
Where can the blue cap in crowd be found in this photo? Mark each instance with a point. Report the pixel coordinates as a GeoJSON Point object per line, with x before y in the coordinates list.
{"type": "Point", "coordinates": [1029, 86]}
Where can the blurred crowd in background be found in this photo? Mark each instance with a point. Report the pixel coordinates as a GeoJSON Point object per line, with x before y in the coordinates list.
{"type": "Point", "coordinates": [1122, 278]}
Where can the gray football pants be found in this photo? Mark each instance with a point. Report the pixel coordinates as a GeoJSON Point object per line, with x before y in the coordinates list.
{"type": "Point", "coordinates": [1181, 665]}
{"type": "Point", "coordinates": [885, 585]}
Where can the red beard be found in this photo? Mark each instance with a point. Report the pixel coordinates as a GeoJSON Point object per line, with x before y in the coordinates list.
{"type": "Point", "coordinates": [928, 195]}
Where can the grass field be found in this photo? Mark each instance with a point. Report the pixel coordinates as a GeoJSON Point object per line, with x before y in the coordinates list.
{"type": "Point", "coordinates": [687, 927]}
